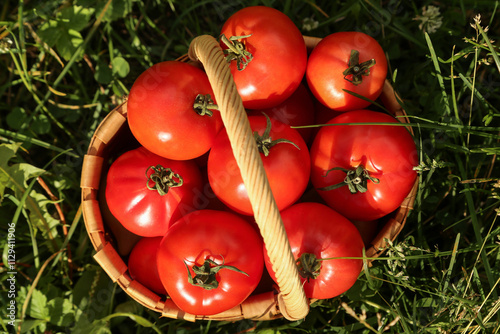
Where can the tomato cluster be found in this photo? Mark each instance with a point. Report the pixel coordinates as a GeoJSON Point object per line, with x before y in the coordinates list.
{"type": "Point", "coordinates": [181, 189]}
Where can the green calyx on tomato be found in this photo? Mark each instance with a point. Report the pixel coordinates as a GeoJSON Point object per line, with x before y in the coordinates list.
{"type": "Point", "coordinates": [265, 142]}
{"type": "Point", "coordinates": [203, 105]}
{"type": "Point", "coordinates": [356, 69]}
{"type": "Point", "coordinates": [356, 180]}
{"type": "Point", "coordinates": [237, 51]}
{"type": "Point", "coordinates": [163, 179]}
{"type": "Point", "coordinates": [206, 275]}
{"type": "Point", "coordinates": [309, 266]}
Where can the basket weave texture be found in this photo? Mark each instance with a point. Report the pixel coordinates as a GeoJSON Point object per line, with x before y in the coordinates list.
{"type": "Point", "coordinates": [111, 138]}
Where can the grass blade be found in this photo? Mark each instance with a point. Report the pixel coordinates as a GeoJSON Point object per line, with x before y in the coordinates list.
{"type": "Point", "coordinates": [490, 46]}
{"type": "Point", "coordinates": [72, 60]}
{"type": "Point", "coordinates": [34, 246]}
{"type": "Point", "coordinates": [435, 61]}
{"type": "Point", "coordinates": [447, 274]}
{"type": "Point", "coordinates": [71, 231]}
{"type": "Point", "coordinates": [31, 289]}
{"type": "Point", "coordinates": [477, 93]}
{"type": "Point", "coordinates": [476, 227]}
{"type": "Point", "coordinates": [23, 138]}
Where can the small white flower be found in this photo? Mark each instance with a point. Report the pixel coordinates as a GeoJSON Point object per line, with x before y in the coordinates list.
{"type": "Point", "coordinates": [477, 23]}
{"type": "Point", "coordinates": [5, 44]}
{"type": "Point", "coordinates": [431, 19]}
{"type": "Point", "coordinates": [309, 24]}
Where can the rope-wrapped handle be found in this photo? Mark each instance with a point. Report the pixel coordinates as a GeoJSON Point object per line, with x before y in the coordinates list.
{"type": "Point", "coordinates": [207, 50]}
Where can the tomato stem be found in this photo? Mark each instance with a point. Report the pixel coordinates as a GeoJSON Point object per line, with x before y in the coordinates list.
{"type": "Point", "coordinates": [265, 142]}
{"type": "Point", "coordinates": [237, 51]}
{"type": "Point", "coordinates": [356, 69]}
{"type": "Point", "coordinates": [309, 266]}
{"type": "Point", "coordinates": [205, 275]}
{"type": "Point", "coordinates": [203, 104]}
{"type": "Point", "coordinates": [356, 180]}
{"type": "Point", "coordinates": [163, 179]}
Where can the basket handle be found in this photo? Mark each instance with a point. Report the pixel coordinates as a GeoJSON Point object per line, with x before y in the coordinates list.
{"type": "Point", "coordinates": [207, 50]}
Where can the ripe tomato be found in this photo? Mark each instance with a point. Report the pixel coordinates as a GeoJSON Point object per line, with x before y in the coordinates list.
{"type": "Point", "coordinates": [148, 193]}
{"type": "Point", "coordinates": [142, 264]}
{"type": "Point", "coordinates": [322, 114]}
{"type": "Point", "coordinates": [287, 165]}
{"type": "Point", "coordinates": [349, 60]}
{"type": "Point", "coordinates": [219, 243]}
{"type": "Point", "coordinates": [317, 233]}
{"type": "Point", "coordinates": [297, 110]}
{"type": "Point", "coordinates": [162, 114]}
{"type": "Point", "coordinates": [371, 164]}
{"type": "Point", "coordinates": [124, 239]}
{"type": "Point", "coordinates": [271, 56]}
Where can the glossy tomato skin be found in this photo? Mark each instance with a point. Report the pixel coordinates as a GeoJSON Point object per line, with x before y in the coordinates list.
{"type": "Point", "coordinates": [279, 55]}
{"type": "Point", "coordinates": [322, 114]}
{"type": "Point", "coordinates": [297, 110]}
{"type": "Point", "coordinates": [142, 264]}
{"type": "Point", "coordinates": [143, 211]}
{"type": "Point", "coordinates": [161, 114]}
{"type": "Point", "coordinates": [287, 167]}
{"type": "Point", "coordinates": [317, 229]}
{"type": "Point", "coordinates": [330, 58]}
{"type": "Point", "coordinates": [222, 237]}
{"type": "Point", "coordinates": [124, 239]}
{"type": "Point", "coordinates": [387, 152]}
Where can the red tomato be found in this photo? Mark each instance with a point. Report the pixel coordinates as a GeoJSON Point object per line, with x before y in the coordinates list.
{"type": "Point", "coordinates": [142, 264]}
{"type": "Point", "coordinates": [317, 233]}
{"type": "Point", "coordinates": [148, 193]}
{"type": "Point", "coordinates": [273, 54]}
{"type": "Point", "coordinates": [287, 166]}
{"type": "Point", "coordinates": [379, 160]}
{"type": "Point", "coordinates": [322, 114]}
{"type": "Point", "coordinates": [124, 239]}
{"type": "Point", "coordinates": [297, 110]}
{"type": "Point", "coordinates": [208, 239]}
{"type": "Point", "coordinates": [331, 66]}
{"type": "Point", "coordinates": [161, 111]}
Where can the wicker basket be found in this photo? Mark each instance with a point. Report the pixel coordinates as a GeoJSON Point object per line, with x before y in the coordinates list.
{"type": "Point", "coordinates": [113, 137]}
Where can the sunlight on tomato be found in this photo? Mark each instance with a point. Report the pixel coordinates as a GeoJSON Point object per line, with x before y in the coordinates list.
{"type": "Point", "coordinates": [328, 62]}
{"type": "Point", "coordinates": [317, 232]}
{"type": "Point", "coordinates": [162, 114]}
{"type": "Point", "coordinates": [209, 235]}
{"type": "Point", "coordinates": [384, 155]}
{"type": "Point", "coordinates": [274, 55]}
{"type": "Point", "coordinates": [133, 196]}
{"type": "Point", "coordinates": [287, 167]}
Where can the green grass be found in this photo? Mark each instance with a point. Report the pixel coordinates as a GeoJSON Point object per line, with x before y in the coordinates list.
{"type": "Point", "coordinates": [441, 275]}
